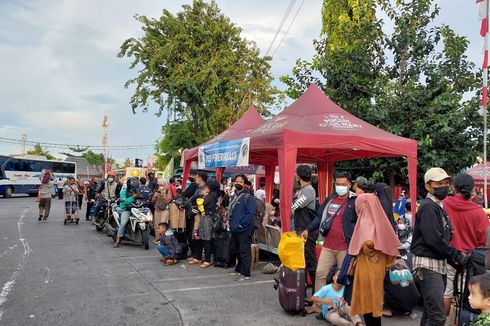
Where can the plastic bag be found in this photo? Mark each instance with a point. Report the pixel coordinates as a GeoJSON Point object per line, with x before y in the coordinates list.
{"type": "Point", "coordinates": [291, 251]}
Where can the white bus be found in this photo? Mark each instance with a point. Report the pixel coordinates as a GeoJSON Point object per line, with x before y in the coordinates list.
{"type": "Point", "coordinates": [21, 175]}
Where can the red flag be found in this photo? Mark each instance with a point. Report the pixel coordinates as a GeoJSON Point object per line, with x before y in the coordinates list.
{"type": "Point", "coordinates": [484, 27]}
{"type": "Point", "coordinates": [485, 60]}
{"type": "Point", "coordinates": [484, 97]}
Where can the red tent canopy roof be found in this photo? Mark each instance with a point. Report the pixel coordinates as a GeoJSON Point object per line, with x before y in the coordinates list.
{"type": "Point", "coordinates": [250, 120]}
{"type": "Point", "coordinates": [478, 173]}
{"type": "Point", "coordinates": [315, 125]}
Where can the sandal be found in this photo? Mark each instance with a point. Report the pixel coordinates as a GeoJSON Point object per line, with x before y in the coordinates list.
{"type": "Point", "coordinates": [205, 265]}
{"type": "Point", "coordinates": [195, 262]}
{"type": "Point", "coordinates": [170, 262]}
{"type": "Point", "coordinates": [162, 260]}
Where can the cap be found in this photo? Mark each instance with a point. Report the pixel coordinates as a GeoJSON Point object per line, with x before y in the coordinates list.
{"type": "Point", "coordinates": [435, 174]}
{"type": "Point", "coordinates": [361, 182]}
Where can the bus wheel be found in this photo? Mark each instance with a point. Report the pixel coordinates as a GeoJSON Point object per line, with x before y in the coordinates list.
{"type": "Point", "coordinates": [8, 192]}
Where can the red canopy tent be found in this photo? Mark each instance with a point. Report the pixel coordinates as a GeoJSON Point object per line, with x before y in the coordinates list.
{"type": "Point", "coordinates": [478, 174]}
{"type": "Point", "coordinates": [250, 120]}
{"type": "Point", "coordinates": [315, 129]}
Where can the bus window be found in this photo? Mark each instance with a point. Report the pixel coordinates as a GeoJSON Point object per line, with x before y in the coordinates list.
{"type": "Point", "coordinates": [13, 165]}
{"type": "Point", "coordinates": [68, 168]}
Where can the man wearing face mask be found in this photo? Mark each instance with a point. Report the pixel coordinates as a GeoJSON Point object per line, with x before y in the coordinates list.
{"type": "Point", "coordinates": [108, 190]}
{"type": "Point", "coordinates": [431, 247]}
{"type": "Point", "coordinates": [340, 207]}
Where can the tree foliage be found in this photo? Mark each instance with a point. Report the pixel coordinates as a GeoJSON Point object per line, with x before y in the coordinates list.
{"type": "Point", "coordinates": [39, 150]}
{"type": "Point", "coordinates": [420, 92]}
{"type": "Point", "coordinates": [196, 65]}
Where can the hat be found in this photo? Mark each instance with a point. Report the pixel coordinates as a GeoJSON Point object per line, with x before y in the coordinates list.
{"type": "Point", "coordinates": [435, 174]}
{"type": "Point", "coordinates": [361, 182]}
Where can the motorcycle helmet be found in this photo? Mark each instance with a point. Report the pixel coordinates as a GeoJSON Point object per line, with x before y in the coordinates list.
{"type": "Point", "coordinates": [132, 185]}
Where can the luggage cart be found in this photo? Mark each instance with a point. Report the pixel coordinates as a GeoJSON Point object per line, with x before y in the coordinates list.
{"type": "Point", "coordinates": [71, 209]}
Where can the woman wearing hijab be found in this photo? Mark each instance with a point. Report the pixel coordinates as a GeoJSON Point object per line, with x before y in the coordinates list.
{"type": "Point", "coordinates": [374, 243]}
{"type": "Point", "coordinates": [384, 194]}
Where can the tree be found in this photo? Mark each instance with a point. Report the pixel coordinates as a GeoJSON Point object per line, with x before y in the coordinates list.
{"type": "Point", "coordinates": [419, 95]}
{"type": "Point", "coordinates": [94, 158]}
{"type": "Point", "coordinates": [39, 150]}
{"type": "Point", "coordinates": [196, 65]}
{"type": "Point", "coordinates": [127, 162]}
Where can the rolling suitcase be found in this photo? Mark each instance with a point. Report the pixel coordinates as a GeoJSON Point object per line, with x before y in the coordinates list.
{"type": "Point", "coordinates": [222, 252]}
{"type": "Point", "coordinates": [291, 289]}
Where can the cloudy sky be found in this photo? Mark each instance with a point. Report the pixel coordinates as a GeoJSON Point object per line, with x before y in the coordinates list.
{"type": "Point", "coordinates": [60, 73]}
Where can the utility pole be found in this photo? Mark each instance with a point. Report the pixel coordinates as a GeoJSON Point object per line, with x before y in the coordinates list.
{"type": "Point", "coordinates": [24, 139]}
{"type": "Point", "coordinates": [105, 128]}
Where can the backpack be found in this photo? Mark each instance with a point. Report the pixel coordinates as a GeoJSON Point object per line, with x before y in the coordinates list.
{"type": "Point", "coordinates": [46, 177]}
{"type": "Point", "coordinates": [259, 213]}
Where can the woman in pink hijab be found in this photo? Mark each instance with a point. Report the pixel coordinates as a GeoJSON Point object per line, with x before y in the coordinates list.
{"type": "Point", "coordinates": [375, 244]}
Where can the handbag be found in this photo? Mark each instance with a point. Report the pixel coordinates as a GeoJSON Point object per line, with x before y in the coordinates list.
{"type": "Point", "coordinates": [326, 225]}
{"type": "Point", "coordinates": [400, 274]}
{"type": "Point", "coordinates": [348, 269]}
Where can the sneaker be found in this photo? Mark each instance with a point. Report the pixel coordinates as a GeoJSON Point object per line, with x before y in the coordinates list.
{"type": "Point", "coordinates": [243, 278]}
{"type": "Point", "coordinates": [40, 218]}
{"type": "Point", "coordinates": [233, 273]}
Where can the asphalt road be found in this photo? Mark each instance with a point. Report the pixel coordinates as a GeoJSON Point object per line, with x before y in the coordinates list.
{"type": "Point", "coordinates": [52, 274]}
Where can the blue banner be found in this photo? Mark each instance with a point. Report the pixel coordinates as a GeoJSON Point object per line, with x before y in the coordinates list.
{"type": "Point", "coordinates": [225, 153]}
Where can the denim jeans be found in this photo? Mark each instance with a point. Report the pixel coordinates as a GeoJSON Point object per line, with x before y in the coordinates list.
{"type": "Point", "coordinates": [163, 250]}
{"type": "Point", "coordinates": [432, 290]}
{"type": "Point", "coordinates": [124, 220]}
{"type": "Point", "coordinates": [72, 205]}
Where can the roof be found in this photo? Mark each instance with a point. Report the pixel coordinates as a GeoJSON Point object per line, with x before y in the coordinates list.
{"type": "Point", "coordinates": [319, 128]}
{"type": "Point", "coordinates": [250, 120]}
{"type": "Point", "coordinates": [84, 167]}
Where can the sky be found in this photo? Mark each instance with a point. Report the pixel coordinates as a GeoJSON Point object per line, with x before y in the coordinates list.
{"type": "Point", "coordinates": [60, 73]}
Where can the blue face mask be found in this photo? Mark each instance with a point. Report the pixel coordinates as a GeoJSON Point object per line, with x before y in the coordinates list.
{"type": "Point", "coordinates": [110, 180]}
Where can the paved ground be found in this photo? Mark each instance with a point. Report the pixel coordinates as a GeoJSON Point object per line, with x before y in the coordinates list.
{"type": "Point", "coordinates": [51, 274]}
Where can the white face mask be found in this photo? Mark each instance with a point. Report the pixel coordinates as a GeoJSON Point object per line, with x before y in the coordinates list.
{"type": "Point", "coordinates": [341, 190]}
{"type": "Point", "coordinates": [402, 227]}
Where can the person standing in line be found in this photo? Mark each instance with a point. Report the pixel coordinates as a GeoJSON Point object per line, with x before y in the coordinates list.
{"type": "Point", "coordinates": [241, 213]}
{"type": "Point", "coordinates": [340, 207]}
{"type": "Point", "coordinates": [431, 247]}
{"type": "Point", "coordinates": [374, 244]}
{"type": "Point", "coordinates": [470, 224]}
{"type": "Point", "coordinates": [260, 194]}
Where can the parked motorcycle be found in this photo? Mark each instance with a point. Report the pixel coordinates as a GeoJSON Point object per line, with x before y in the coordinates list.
{"type": "Point", "coordinates": [137, 229]}
{"type": "Point", "coordinates": [105, 213]}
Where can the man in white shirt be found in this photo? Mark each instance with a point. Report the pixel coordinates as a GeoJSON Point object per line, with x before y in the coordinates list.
{"type": "Point", "coordinates": [260, 194]}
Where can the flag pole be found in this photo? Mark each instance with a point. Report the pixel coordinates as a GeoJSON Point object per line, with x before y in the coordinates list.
{"type": "Point", "coordinates": [485, 105]}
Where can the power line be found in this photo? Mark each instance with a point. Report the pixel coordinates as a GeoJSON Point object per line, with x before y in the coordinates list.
{"type": "Point", "coordinates": [289, 27]}
{"type": "Point", "coordinates": [48, 144]}
{"type": "Point", "coordinates": [284, 18]}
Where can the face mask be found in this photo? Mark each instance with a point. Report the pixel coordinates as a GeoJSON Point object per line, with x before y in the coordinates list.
{"type": "Point", "coordinates": [341, 190]}
{"type": "Point", "coordinates": [441, 192]}
{"type": "Point", "coordinates": [402, 227]}
{"type": "Point", "coordinates": [191, 179]}
{"type": "Point", "coordinates": [238, 187]}
{"type": "Point", "coordinates": [110, 179]}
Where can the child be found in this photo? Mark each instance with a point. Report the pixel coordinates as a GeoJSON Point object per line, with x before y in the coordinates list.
{"type": "Point", "coordinates": [70, 191]}
{"type": "Point", "coordinates": [168, 245]}
{"type": "Point", "coordinates": [334, 308]}
{"type": "Point", "coordinates": [404, 233]}
{"type": "Point", "coordinates": [198, 209]}
{"type": "Point", "coordinates": [480, 298]}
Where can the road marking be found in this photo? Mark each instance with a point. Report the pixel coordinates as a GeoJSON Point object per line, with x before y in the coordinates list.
{"type": "Point", "coordinates": [8, 286]}
{"type": "Point", "coordinates": [245, 283]}
{"type": "Point", "coordinates": [47, 280]}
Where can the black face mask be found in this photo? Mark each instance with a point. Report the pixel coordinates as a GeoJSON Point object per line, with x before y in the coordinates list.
{"type": "Point", "coordinates": [191, 179]}
{"type": "Point", "coordinates": [238, 187]}
{"type": "Point", "coordinates": [441, 192]}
